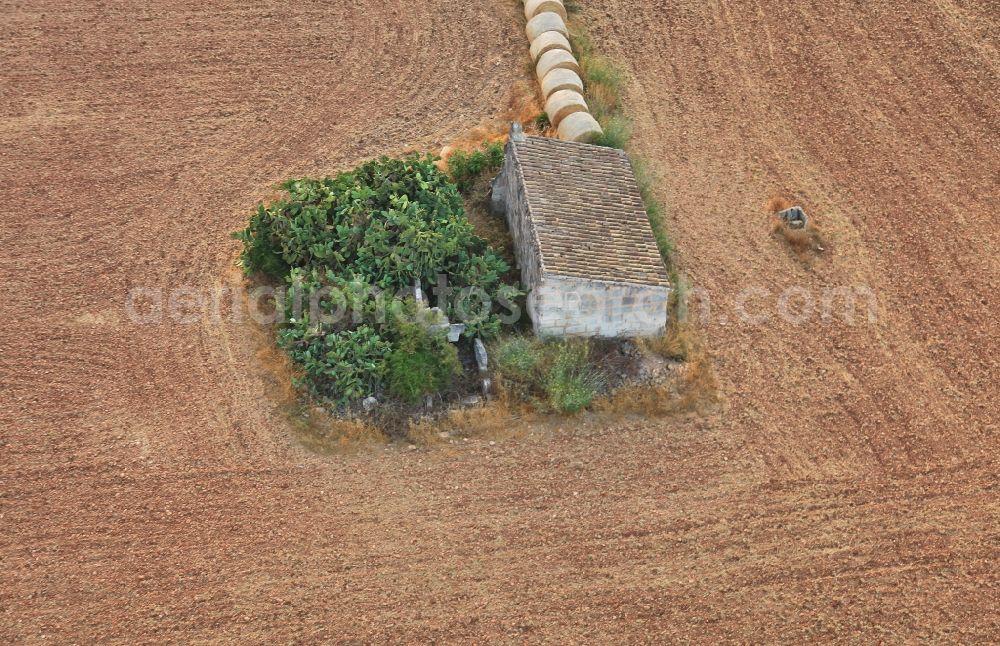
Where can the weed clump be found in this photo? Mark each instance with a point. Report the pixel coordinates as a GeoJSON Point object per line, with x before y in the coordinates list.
{"type": "Point", "coordinates": [422, 364]}
{"type": "Point", "coordinates": [673, 344]}
{"type": "Point", "coordinates": [466, 168]}
{"type": "Point", "coordinates": [655, 212]}
{"type": "Point", "coordinates": [472, 171]}
{"type": "Point", "coordinates": [603, 86]}
{"type": "Point", "coordinates": [518, 358]}
{"type": "Point", "coordinates": [616, 132]}
{"type": "Point", "coordinates": [571, 384]}
{"type": "Point", "coordinates": [557, 376]}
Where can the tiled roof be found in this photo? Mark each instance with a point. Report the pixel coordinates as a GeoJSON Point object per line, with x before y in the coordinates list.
{"type": "Point", "coordinates": [587, 212]}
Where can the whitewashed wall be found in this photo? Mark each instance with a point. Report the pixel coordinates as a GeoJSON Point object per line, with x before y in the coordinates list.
{"type": "Point", "coordinates": [568, 306]}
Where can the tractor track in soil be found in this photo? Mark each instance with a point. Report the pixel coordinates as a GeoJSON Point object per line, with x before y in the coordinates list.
{"type": "Point", "coordinates": [151, 492]}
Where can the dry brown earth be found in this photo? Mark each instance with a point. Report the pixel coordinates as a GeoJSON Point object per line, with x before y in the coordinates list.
{"type": "Point", "coordinates": [150, 492]}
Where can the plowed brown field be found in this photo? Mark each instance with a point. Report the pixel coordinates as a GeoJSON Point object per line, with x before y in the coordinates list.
{"type": "Point", "coordinates": [151, 492]}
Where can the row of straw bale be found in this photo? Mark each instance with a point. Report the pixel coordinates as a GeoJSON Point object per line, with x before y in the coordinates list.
{"type": "Point", "coordinates": [558, 71]}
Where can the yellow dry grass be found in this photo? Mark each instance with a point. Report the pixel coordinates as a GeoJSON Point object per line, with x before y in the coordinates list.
{"type": "Point", "coordinates": [778, 203]}
{"type": "Point", "coordinates": [524, 105]}
{"type": "Point", "coordinates": [499, 418]}
{"type": "Point", "coordinates": [602, 99]}
{"type": "Point", "coordinates": [675, 343]}
{"type": "Point", "coordinates": [692, 388]}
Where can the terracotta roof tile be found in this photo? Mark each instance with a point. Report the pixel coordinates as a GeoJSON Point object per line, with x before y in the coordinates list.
{"type": "Point", "coordinates": [588, 212]}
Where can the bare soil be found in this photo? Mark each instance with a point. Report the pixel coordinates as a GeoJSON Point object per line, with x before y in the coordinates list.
{"type": "Point", "coordinates": [152, 491]}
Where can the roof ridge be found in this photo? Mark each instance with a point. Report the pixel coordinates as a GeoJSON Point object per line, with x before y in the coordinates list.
{"type": "Point", "coordinates": [578, 144]}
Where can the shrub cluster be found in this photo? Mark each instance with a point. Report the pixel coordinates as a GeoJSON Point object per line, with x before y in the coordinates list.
{"type": "Point", "coordinates": [345, 365]}
{"type": "Point", "coordinates": [466, 168]}
{"type": "Point", "coordinates": [387, 223]}
{"type": "Point", "coordinates": [350, 243]}
{"type": "Point", "coordinates": [557, 376]}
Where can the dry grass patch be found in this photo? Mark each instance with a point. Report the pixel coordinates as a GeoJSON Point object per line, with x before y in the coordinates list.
{"type": "Point", "coordinates": [320, 432]}
{"type": "Point", "coordinates": [524, 105]}
{"type": "Point", "coordinates": [691, 388]}
{"type": "Point", "coordinates": [500, 418]}
{"type": "Point", "coordinates": [778, 203]}
{"type": "Point", "coordinates": [603, 96]}
{"type": "Point", "coordinates": [805, 243]}
{"type": "Point", "coordinates": [698, 386]}
{"type": "Point", "coordinates": [673, 344]}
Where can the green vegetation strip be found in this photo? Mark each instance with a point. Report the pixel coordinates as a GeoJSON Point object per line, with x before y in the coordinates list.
{"type": "Point", "coordinates": [555, 376]}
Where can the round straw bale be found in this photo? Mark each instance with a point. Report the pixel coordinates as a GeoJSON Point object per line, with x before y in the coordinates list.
{"type": "Point", "coordinates": [545, 42]}
{"type": "Point", "coordinates": [556, 59]}
{"type": "Point", "coordinates": [534, 7]}
{"type": "Point", "coordinates": [581, 127]}
{"type": "Point", "coordinates": [561, 79]}
{"type": "Point", "coordinates": [543, 22]}
{"type": "Point", "coordinates": [564, 103]}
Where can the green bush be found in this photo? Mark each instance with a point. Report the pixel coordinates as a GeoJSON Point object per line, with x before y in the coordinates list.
{"type": "Point", "coordinates": [617, 132]}
{"type": "Point", "coordinates": [339, 367]}
{"type": "Point", "coordinates": [518, 358]}
{"type": "Point", "coordinates": [388, 222]}
{"type": "Point", "coordinates": [571, 384]}
{"type": "Point", "coordinates": [542, 121]}
{"type": "Point", "coordinates": [466, 168]}
{"type": "Point", "coordinates": [557, 376]}
{"type": "Point", "coordinates": [422, 363]}
{"type": "Point", "coordinates": [264, 252]}
{"type": "Point", "coordinates": [379, 227]}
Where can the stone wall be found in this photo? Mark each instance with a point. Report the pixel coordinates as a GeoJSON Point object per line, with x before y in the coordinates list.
{"type": "Point", "coordinates": [568, 306]}
{"type": "Point", "coordinates": [508, 199]}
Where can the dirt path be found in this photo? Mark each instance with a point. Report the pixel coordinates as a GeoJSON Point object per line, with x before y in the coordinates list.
{"type": "Point", "coordinates": [149, 492]}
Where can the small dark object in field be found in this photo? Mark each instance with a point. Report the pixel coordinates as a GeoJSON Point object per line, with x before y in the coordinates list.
{"type": "Point", "coordinates": [794, 217]}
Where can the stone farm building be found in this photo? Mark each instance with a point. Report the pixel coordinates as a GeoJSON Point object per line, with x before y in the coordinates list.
{"type": "Point", "coordinates": [582, 239]}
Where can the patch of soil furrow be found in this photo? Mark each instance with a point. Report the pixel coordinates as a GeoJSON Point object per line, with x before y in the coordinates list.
{"type": "Point", "coordinates": [151, 490]}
